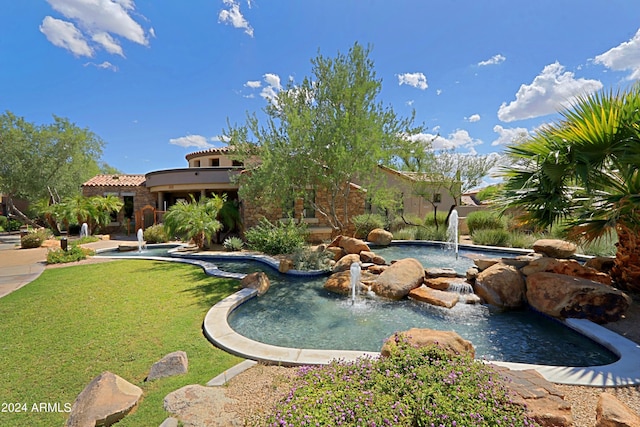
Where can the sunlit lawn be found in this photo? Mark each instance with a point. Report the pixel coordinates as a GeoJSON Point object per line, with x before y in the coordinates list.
{"type": "Point", "coordinates": [72, 323]}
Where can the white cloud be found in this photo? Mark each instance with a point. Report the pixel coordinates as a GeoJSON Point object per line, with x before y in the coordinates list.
{"type": "Point", "coordinates": [456, 140]}
{"type": "Point", "coordinates": [233, 16]}
{"type": "Point", "coordinates": [410, 102]}
{"type": "Point", "coordinates": [417, 80]}
{"type": "Point", "coordinates": [65, 35]}
{"type": "Point", "coordinates": [253, 84]}
{"type": "Point", "coordinates": [550, 91]}
{"type": "Point", "coordinates": [94, 20]}
{"type": "Point", "coordinates": [625, 56]}
{"type": "Point", "coordinates": [473, 118]}
{"type": "Point", "coordinates": [197, 141]}
{"type": "Point", "coordinates": [270, 91]}
{"type": "Point", "coordinates": [507, 136]}
{"type": "Point", "coordinates": [495, 59]}
{"type": "Point", "coordinates": [106, 65]}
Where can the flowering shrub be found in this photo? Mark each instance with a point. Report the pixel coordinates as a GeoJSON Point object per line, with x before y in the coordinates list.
{"type": "Point", "coordinates": [73, 254]}
{"type": "Point", "coordinates": [412, 387]}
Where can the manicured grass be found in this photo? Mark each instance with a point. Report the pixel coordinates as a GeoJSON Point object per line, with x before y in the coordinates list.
{"type": "Point", "coordinates": [72, 323]}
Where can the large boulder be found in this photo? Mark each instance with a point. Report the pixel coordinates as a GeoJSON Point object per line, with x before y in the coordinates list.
{"type": "Point", "coordinates": [611, 412]}
{"type": "Point", "coordinates": [380, 236]}
{"type": "Point", "coordinates": [501, 285]}
{"type": "Point", "coordinates": [340, 283]}
{"type": "Point", "coordinates": [450, 341]}
{"type": "Point", "coordinates": [396, 281]}
{"type": "Point", "coordinates": [554, 248]}
{"type": "Point", "coordinates": [345, 262]}
{"type": "Point", "coordinates": [564, 296]}
{"type": "Point", "coordinates": [434, 296]}
{"type": "Point", "coordinates": [175, 363]}
{"type": "Point", "coordinates": [370, 257]}
{"type": "Point", "coordinates": [352, 245]}
{"type": "Point", "coordinates": [258, 281]}
{"type": "Point", "coordinates": [569, 267]}
{"type": "Point", "coordinates": [104, 401]}
{"type": "Point", "coordinates": [197, 405]}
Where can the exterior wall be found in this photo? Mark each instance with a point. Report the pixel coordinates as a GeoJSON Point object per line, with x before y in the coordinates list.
{"type": "Point", "coordinates": [141, 198]}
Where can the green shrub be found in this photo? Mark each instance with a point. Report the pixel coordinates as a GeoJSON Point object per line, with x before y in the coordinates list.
{"type": "Point", "coordinates": [87, 239]}
{"type": "Point", "coordinates": [279, 238]}
{"type": "Point", "coordinates": [407, 233]}
{"type": "Point", "coordinates": [308, 259]}
{"type": "Point", "coordinates": [485, 220]}
{"type": "Point", "coordinates": [490, 237]}
{"type": "Point", "coordinates": [366, 222]}
{"type": "Point", "coordinates": [72, 254]}
{"type": "Point", "coordinates": [430, 222]}
{"type": "Point", "coordinates": [521, 240]}
{"type": "Point", "coordinates": [4, 223]}
{"type": "Point", "coordinates": [605, 246]}
{"type": "Point", "coordinates": [412, 387]}
{"type": "Point", "coordinates": [233, 244]}
{"type": "Point", "coordinates": [34, 238]}
{"type": "Point", "coordinates": [431, 233]}
{"type": "Point", "coordinates": [155, 234]}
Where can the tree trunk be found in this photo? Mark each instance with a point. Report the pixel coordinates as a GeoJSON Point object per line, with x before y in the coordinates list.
{"type": "Point", "coordinates": [626, 269]}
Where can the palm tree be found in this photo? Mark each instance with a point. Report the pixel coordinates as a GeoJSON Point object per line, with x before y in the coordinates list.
{"type": "Point", "coordinates": [584, 169]}
{"type": "Point", "coordinates": [102, 208]}
{"type": "Point", "coordinates": [195, 220]}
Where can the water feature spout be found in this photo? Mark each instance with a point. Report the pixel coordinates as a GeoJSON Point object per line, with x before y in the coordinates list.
{"type": "Point", "coordinates": [452, 231]}
{"type": "Point", "coordinates": [141, 244]}
{"type": "Point", "coordinates": [355, 280]}
{"type": "Point", "coordinates": [84, 230]}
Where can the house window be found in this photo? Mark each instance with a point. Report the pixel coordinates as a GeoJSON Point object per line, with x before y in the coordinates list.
{"type": "Point", "coordinates": [196, 163]}
{"type": "Point", "coordinates": [437, 197]}
{"type": "Point", "coordinates": [214, 162]}
{"type": "Point", "coordinates": [237, 163]}
{"type": "Point", "coordinates": [309, 200]}
{"type": "Point", "coordinates": [128, 206]}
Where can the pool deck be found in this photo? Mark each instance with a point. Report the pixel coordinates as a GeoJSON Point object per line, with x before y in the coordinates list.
{"type": "Point", "coordinates": [624, 372]}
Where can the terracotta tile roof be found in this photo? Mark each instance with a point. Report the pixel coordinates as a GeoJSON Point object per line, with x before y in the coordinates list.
{"type": "Point", "coordinates": [213, 150]}
{"type": "Point", "coordinates": [115, 180]}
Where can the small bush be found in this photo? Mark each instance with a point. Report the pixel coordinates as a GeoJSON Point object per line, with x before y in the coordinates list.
{"type": "Point", "coordinates": [521, 240]}
{"type": "Point", "coordinates": [605, 246]}
{"type": "Point", "coordinates": [233, 244]}
{"type": "Point", "coordinates": [87, 239]}
{"type": "Point", "coordinates": [366, 222]}
{"type": "Point", "coordinates": [155, 234]}
{"type": "Point", "coordinates": [412, 387]}
{"type": "Point", "coordinates": [34, 238]}
{"type": "Point", "coordinates": [4, 223]}
{"type": "Point", "coordinates": [484, 220]}
{"type": "Point", "coordinates": [278, 238]}
{"type": "Point", "coordinates": [432, 233]}
{"type": "Point", "coordinates": [72, 254]}
{"type": "Point", "coordinates": [407, 233]}
{"type": "Point", "coordinates": [490, 237]}
{"type": "Point", "coordinates": [308, 259]}
{"type": "Point", "coordinates": [429, 221]}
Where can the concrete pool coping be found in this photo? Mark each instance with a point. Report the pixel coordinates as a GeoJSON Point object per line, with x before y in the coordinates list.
{"type": "Point", "coordinates": [624, 372]}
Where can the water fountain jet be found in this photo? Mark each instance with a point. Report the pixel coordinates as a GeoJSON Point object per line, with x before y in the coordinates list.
{"type": "Point", "coordinates": [141, 244]}
{"type": "Point", "coordinates": [84, 230]}
{"type": "Point", "coordinates": [452, 231]}
{"type": "Point", "coordinates": [355, 280]}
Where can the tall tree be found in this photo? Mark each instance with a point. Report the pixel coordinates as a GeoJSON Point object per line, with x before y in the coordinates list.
{"type": "Point", "coordinates": [320, 136]}
{"type": "Point", "coordinates": [585, 169]}
{"type": "Point", "coordinates": [39, 159]}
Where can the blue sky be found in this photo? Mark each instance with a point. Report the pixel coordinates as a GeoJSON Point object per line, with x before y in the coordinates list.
{"type": "Point", "coordinates": [159, 79]}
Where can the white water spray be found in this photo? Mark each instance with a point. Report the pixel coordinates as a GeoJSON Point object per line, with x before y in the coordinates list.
{"type": "Point", "coordinates": [355, 280]}
{"type": "Point", "coordinates": [141, 244]}
{"type": "Point", "coordinates": [84, 230]}
{"type": "Point", "coordinates": [452, 231]}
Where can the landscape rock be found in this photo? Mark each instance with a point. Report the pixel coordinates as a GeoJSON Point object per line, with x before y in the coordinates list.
{"type": "Point", "coordinates": [368, 256]}
{"type": "Point", "coordinates": [345, 262]}
{"type": "Point", "coordinates": [471, 274]}
{"type": "Point", "coordinates": [450, 341]}
{"type": "Point", "coordinates": [258, 281]}
{"type": "Point", "coordinates": [564, 296]}
{"type": "Point", "coordinates": [603, 264]}
{"type": "Point", "coordinates": [445, 283]}
{"type": "Point", "coordinates": [192, 404]}
{"type": "Point", "coordinates": [352, 245]}
{"type": "Point", "coordinates": [337, 252]}
{"type": "Point", "coordinates": [380, 236]}
{"type": "Point", "coordinates": [501, 285]}
{"type": "Point", "coordinates": [569, 267]}
{"type": "Point", "coordinates": [285, 265]}
{"type": "Point", "coordinates": [484, 263]}
{"type": "Point", "coordinates": [544, 402]}
{"type": "Point", "coordinates": [340, 283]}
{"type": "Point", "coordinates": [175, 363]}
{"type": "Point", "coordinates": [169, 422]}
{"type": "Point", "coordinates": [396, 281]}
{"type": "Point", "coordinates": [555, 248]}
{"type": "Point", "coordinates": [104, 401]}
{"type": "Point", "coordinates": [434, 296]}
{"type": "Point", "coordinates": [471, 299]}
{"type": "Point", "coordinates": [440, 272]}
{"type": "Point", "coordinates": [377, 269]}
{"type": "Point", "coordinates": [611, 412]}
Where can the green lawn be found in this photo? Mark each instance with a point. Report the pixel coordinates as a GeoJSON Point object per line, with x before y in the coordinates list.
{"type": "Point", "coordinates": [72, 323]}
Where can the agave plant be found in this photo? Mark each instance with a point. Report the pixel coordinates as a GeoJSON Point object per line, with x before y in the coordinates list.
{"type": "Point", "coordinates": [584, 170]}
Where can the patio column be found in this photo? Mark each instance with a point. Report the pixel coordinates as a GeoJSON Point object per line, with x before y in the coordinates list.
{"type": "Point", "coordinates": [161, 203]}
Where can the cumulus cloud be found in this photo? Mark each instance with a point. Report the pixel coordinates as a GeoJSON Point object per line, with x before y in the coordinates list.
{"type": "Point", "coordinates": [456, 140]}
{"type": "Point", "coordinates": [197, 141]}
{"type": "Point", "coordinates": [507, 136]}
{"type": "Point", "coordinates": [106, 65]}
{"type": "Point", "coordinates": [494, 60]}
{"type": "Point", "coordinates": [473, 118]}
{"type": "Point", "coordinates": [233, 16]}
{"type": "Point", "coordinates": [253, 84]}
{"type": "Point", "coordinates": [417, 80]}
{"type": "Point", "coordinates": [96, 21]}
{"type": "Point", "coordinates": [270, 91]}
{"type": "Point", "coordinates": [65, 35]}
{"type": "Point", "coordinates": [550, 91]}
{"type": "Point", "coordinates": [624, 57]}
